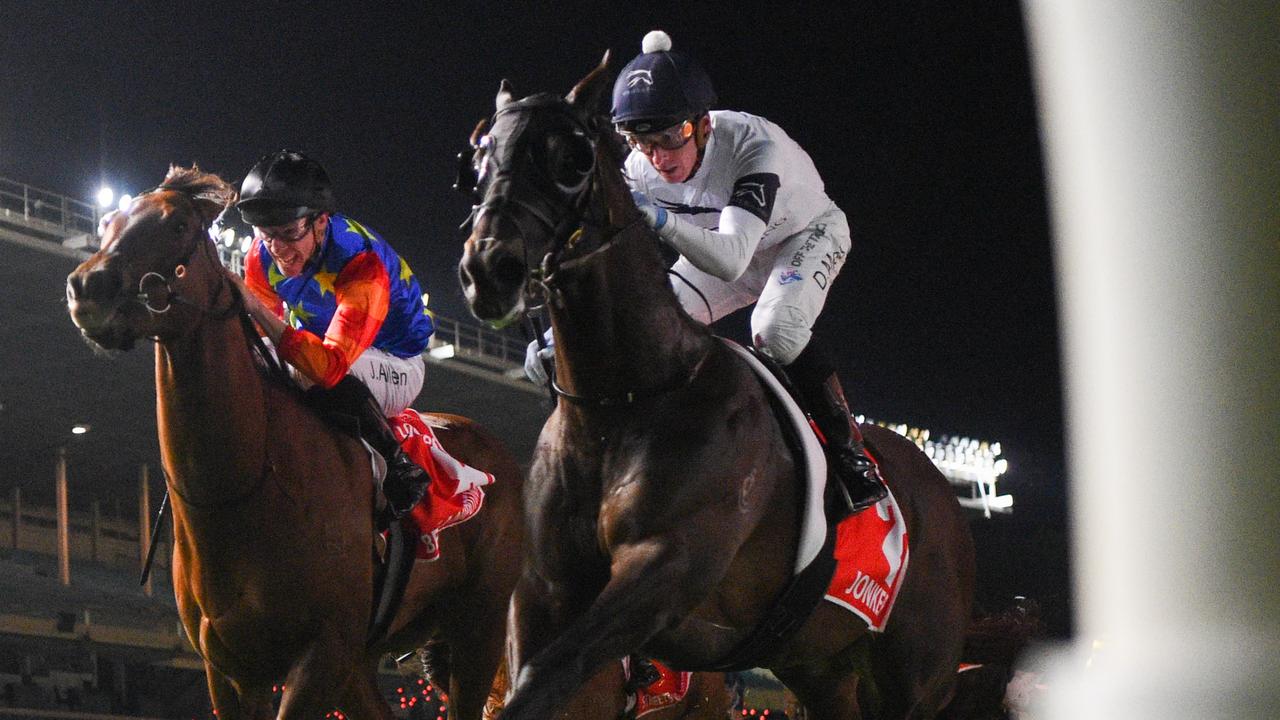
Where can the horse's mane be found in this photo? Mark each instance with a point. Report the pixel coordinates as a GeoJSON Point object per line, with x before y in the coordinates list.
{"type": "Point", "coordinates": [200, 185]}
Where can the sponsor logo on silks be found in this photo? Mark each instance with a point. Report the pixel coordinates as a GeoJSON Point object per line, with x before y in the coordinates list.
{"type": "Point", "coordinates": [638, 77]}
{"type": "Point", "coordinates": [790, 275]}
{"type": "Point", "coordinates": [749, 192]}
{"type": "Point", "coordinates": [756, 193]}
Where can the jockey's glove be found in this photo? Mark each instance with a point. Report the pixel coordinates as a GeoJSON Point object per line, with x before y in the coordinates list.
{"type": "Point", "coordinates": [537, 359]}
{"type": "Point", "coordinates": [656, 216]}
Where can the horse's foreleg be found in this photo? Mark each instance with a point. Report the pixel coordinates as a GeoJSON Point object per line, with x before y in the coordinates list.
{"type": "Point", "coordinates": [827, 693]}
{"type": "Point", "coordinates": [475, 636]}
{"type": "Point", "coordinates": [331, 675]}
{"type": "Point", "coordinates": [232, 704]}
{"type": "Point", "coordinates": [362, 698]}
{"type": "Point", "coordinates": [652, 585]}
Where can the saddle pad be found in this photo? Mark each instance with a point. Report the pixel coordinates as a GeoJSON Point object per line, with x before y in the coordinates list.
{"type": "Point", "coordinates": [669, 689]}
{"type": "Point", "coordinates": [456, 492]}
{"type": "Point", "coordinates": [813, 526]}
{"type": "Point", "coordinates": [871, 560]}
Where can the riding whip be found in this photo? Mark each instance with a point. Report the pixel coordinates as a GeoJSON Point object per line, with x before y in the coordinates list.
{"type": "Point", "coordinates": [155, 537]}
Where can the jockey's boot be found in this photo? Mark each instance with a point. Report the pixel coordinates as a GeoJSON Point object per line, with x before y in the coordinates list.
{"type": "Point", "coordinates": [406, 481]}
{"type": "Point", "coordinates": [859, 481]}
{"type": "Point", "coordinates": [643, 673]}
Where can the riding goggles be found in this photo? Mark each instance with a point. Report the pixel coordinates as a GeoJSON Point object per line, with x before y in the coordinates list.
{"type": "Point", "coordinates": [288, 234]}
{"type": "Point", "coordinates": [673, 138]}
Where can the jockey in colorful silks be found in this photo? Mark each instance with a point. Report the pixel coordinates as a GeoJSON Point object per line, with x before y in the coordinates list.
{"type": "Point", "coordinates": [340, 306]}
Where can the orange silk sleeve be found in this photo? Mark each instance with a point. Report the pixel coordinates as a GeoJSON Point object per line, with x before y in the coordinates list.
{"type": "Point", "coordinates": [256, 280]}
{"type": "Point", "coordinates": [363, 291]}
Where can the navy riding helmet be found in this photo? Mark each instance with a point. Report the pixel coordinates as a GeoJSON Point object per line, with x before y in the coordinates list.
{"type": "Point", "coordinates": [282, 187]}
{"type": "Point", "coordinates": [660, 88]}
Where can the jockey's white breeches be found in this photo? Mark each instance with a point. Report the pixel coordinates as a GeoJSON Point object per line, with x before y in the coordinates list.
{"type": "Point", "coordinates": [789, 287]}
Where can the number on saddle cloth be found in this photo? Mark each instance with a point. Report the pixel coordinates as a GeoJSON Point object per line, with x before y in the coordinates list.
{"type": "Point", "coordinates": [456, 492]}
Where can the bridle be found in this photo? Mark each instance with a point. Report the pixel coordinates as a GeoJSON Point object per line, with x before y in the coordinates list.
{"type": "Point", "coordinates": [152, 282]}
{"type": "Point", "coordinates": [572, 207]}
{"type": "Point", "coordinates": [551, 199]}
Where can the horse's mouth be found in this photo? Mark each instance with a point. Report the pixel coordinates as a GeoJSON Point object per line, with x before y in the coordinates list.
{"type": "Point", "coordinates": [498, 309]}
{"type": "Point", "coordinates": [493, 282]}
{"type": "Point", "coordinates": [104, 328]}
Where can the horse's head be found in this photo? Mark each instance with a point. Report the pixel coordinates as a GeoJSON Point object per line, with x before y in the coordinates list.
{"type": "Point", "coordinates": [154, 254]}
{"type": "Point", "coordinates": [532, 172]}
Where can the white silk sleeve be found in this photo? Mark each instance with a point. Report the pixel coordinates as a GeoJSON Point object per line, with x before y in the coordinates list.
{"type": "Point", "coordinates": [724, 253]}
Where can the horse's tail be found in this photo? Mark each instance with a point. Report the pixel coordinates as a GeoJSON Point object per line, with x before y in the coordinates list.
{"type": "Point", "coordinates": [992, 645]}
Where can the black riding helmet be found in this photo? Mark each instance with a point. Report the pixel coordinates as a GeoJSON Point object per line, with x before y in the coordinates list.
{"type": "Point", "coordinates": [282, 187]}
{"type": "Point", "coordinates": [660, 88]}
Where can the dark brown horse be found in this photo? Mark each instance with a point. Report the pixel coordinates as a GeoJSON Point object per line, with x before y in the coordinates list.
{"type": "Point", "coordinates": [272, 509]}
{"type": "Point", "coordinates": [662, 505]}
{"type": "Point", "coordinates": [605, 697]}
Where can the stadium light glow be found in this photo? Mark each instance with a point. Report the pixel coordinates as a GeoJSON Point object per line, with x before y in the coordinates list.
{"type": "Point", "coordinates": [79, 429]}
{"type": "Point", "coordinates": [965, 461]}
{"type": "Point", "coordinates": [106, 196]}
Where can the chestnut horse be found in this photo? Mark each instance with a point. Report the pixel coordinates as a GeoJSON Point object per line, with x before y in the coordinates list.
{"type": "Point", "coordinates": [605, 697]}
{"type": "Point", "coordinates": [273, 568]}
{"type": "Point", "coordinates": [662, 506]}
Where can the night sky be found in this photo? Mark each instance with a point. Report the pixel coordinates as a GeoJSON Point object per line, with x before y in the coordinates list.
{"type": "Point", "coordinates": [920, 117]}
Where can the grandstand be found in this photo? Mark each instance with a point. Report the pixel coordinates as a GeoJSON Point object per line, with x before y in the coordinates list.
{"type": "Point", "coordinates": [79, 637]}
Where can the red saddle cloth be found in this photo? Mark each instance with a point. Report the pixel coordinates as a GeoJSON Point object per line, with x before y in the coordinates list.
{"type": "Point", "coordinates": [669, 689]}
{"type": "Point", "coordinates": [456, 493]}
{"type": "Point", "coordinates": [871, 560]}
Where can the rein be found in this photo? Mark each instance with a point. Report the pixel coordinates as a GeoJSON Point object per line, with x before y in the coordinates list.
{"type": "Point", "coordinates": [631, 396]}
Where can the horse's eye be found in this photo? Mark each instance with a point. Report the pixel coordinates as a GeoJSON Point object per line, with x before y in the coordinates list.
{"type": "Point", "coordinates": [181, 228]}
{"type": "Point", "coordinates": [570, 162]}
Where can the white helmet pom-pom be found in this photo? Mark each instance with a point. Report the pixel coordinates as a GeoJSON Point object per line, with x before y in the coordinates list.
{"type": "Point", "coordinates": [655, 41]}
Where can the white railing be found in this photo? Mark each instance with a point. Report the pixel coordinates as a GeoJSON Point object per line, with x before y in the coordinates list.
{"type": "Point", "coordinates": [46, 209]}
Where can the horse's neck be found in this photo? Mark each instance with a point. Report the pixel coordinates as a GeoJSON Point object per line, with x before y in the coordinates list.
{"type": "Point", "coordinates": [619, 326]}
{"type": "Point", "coordinates": [210, 412]}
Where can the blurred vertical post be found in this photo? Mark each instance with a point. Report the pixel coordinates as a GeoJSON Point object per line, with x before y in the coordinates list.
{"type": "Point", "coordinates": [64, 526]}
{"type": "Point", "coordinates": [1162, 128]}
{"type": "Point", "coordinates": [95, 530]}
{"type": "Point", "coordinates": [144, 522]}
{"type": "Point", "coordinates": [17, 517]}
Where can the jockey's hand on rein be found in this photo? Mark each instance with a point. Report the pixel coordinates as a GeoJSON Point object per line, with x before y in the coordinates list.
{"type": "Point", "coordinates": [656, 216]}
{"type": "Point", "coordinates": [536, 360]}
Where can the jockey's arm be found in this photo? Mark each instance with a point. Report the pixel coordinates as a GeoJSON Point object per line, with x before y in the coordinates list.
{"type": "Point", "coordinates": [363, 298]}
{"type": "Point", "coordinates": [724, 252]}
{"type": "Point", "coordinates": [261, 301]}
{"type": "Point", "coordinates": [362, 292]}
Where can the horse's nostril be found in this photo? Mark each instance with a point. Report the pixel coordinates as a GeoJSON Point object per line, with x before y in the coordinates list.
{"type": "Point", "coordinates": [75, 288]}
{"type": "Point", "coordinates": [101, 284]}
{"type": "Point", "coordinates": [508, 270]}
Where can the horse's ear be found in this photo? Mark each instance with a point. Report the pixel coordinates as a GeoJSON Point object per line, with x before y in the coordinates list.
{"type": "Point", "coordinates": [478, 132]}
{"type": "Point", "coordinates": [589, 94]}
{"type": "Point", "coordinates": [213, 205]}
{"type": "Point", "coordinates": [505, 95]}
